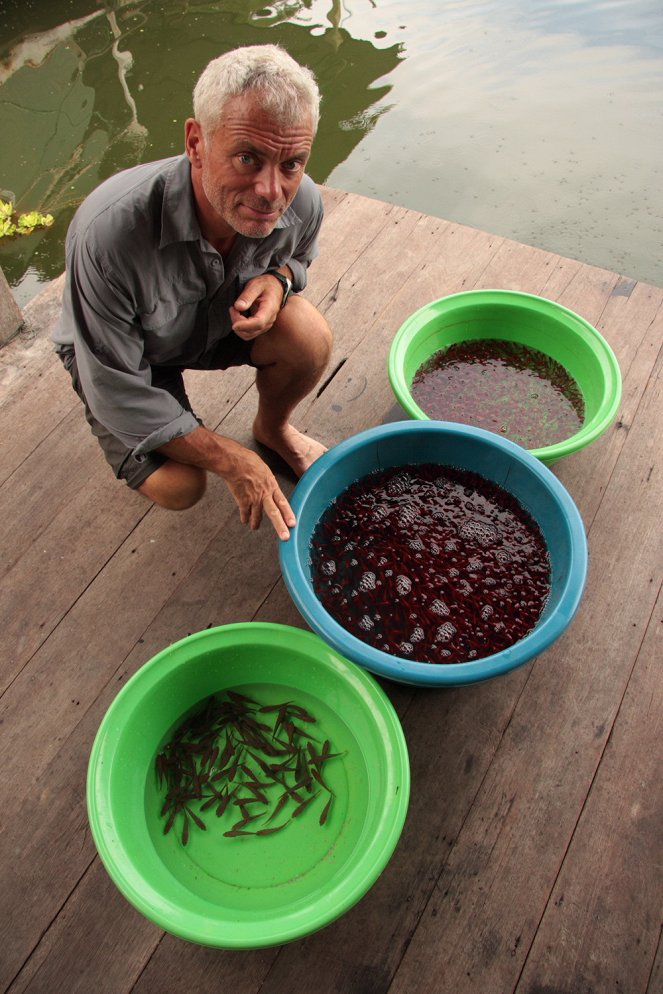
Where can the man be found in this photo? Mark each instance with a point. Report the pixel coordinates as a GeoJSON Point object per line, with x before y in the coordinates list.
{"type": "Point", "coordinates": [189, 263]}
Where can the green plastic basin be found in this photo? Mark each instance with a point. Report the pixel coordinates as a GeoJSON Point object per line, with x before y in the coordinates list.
{"type": "Point", "coordinates": [519, 317]}
{"type": "Point", "coordinates": [249, 891]}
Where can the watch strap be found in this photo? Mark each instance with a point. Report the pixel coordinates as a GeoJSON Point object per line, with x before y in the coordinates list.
{"type": "Point", "coordinates": [285, 283]}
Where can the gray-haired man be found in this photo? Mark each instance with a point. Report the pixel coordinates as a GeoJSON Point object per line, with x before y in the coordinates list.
{"type": "Point", "coordinates": [189, 263]}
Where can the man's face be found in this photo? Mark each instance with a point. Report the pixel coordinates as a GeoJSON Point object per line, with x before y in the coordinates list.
{"type": "Point", "coordinates": [247, 172]}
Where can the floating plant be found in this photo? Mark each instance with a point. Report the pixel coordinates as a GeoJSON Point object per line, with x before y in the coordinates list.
{"type": "Point", "coordinates": [430, 563]}
{"type": "Point", "coordinates": [249, 762]}
{"type": "Point", "coordinates": [503, 386]}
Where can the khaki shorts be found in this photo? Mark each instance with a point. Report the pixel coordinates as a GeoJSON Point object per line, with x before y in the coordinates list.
{"type": "Point", "coordinates": [134, 470]}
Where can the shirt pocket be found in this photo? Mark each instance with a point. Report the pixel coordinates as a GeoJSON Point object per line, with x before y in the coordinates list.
{"type": "Point", "coordinates": [173, 326]}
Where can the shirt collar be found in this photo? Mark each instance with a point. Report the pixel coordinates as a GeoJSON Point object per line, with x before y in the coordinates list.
{"type": "Point", "coordinates": [179, 222]}
{"type": "Point", "coordinates": [178, 213]}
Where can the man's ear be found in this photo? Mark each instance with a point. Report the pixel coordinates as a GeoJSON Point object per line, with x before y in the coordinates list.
{"type": "Point", "coordinates": [193, 142]}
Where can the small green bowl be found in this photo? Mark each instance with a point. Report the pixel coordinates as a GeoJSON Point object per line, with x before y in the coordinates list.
{"type": "Point", "coordinates": [249, 892]}
{"type": "Point", "coordinates": [519, 317]}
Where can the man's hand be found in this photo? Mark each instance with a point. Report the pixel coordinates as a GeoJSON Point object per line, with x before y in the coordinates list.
{"type": "Point", "coordinates": [249, 479]}
{"type": "Point", "coordinates": [257, 307]}
{"type": "Point", "coordinates": [256, 491]}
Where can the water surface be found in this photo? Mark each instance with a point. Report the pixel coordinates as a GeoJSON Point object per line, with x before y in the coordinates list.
{"type": "Point", "coordinates": [539, 121]}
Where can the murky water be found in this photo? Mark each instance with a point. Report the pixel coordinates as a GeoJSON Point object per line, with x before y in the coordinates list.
{"type": "Point", "coordinates": [540, 121]}
{"type": "Point", "coordinates": [376, 566]}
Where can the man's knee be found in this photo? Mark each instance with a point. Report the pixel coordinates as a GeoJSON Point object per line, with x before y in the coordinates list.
{"type": "Point", "coordinates": [175, 486]}
{"type": "Point", "coordinates": [301, 333]}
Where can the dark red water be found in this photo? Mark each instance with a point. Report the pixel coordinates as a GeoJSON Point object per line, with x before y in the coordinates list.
{"type": "Point", "coordinates": [503, 386]}
{"type": "Point", "coordinates": [430, 563]}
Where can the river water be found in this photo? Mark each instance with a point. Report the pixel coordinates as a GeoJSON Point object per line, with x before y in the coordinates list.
{"type": "Point", "coordinates": [539, 120]}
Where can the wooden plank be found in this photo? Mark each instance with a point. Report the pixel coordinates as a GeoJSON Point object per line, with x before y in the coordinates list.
{"type": "Point", "coordinates": [497, 787]}
{"type": "Point", "coordinates": [345, 234]}
{"type": "Point", "coordinates": [177, 967]}
{"type": "Point", "coordinates": [634, 329]}
{"type": "Point", "coordinates": [68, 688]}
{"type": "Point", "coordinates": [452, 736]}
{"type": "Point", "coordinates": [24, 423]}
{"type": "Point", "coordinates": [43, 549]}
{"type": "Point", "coordinates": [494, 887]}
{"type": "Point", "coordinates": [598, 927]}
{"type": "Point", "coordinates": [655, 985]}
{"type": "Point", "coordinates": [80, 931]}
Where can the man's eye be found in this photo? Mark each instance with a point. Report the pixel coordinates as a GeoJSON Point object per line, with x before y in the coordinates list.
{"type": "Point", "coordinates": [293, 166]}
{"type": "Point", "coordinates": [245, 159]}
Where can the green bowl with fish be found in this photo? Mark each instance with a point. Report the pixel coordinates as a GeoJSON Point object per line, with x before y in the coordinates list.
{"type": "Point", "coordinates": [560, 342]}
{"type": "Point", "coordinates": [263, 871]}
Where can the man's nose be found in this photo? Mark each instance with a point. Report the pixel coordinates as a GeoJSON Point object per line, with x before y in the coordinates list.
{"type": "Point", "coordinates": [268, 183]}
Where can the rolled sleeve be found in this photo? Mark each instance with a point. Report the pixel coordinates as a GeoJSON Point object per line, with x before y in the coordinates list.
{"type": "Point", "coordinates": [299, 274]}
{"type": "Point", "coordinates": [182, 425]}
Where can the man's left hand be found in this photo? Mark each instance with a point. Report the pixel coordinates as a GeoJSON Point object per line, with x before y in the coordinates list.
{"type": "Point", "coordinates": [257, 307]}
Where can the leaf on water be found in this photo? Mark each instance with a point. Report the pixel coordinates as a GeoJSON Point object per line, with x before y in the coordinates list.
{"type": "Point", "coordinates": [185, 830]}
{"type": "Point", "coordinates": [235, 832]}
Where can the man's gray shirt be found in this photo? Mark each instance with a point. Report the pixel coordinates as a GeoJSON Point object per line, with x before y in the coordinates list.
{"type": "Point", "coordinates": [144, 288]}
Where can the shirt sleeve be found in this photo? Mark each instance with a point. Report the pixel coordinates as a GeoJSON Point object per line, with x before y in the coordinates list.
{"type": "Point", "coordinates": [115, 376]}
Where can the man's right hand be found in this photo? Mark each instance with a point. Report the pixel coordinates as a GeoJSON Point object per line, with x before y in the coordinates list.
{"type": "Point", "coordinates": [250, 481]}
{"type": "Point", "coordinates": [256, 492]}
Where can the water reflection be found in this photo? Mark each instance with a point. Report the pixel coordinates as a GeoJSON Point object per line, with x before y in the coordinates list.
{"type": "Point", "coordinates": [540, 120]}
{"type": "Point", "coordinates": [112, 87]}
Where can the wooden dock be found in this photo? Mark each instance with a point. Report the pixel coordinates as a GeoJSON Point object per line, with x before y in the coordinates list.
{"type": "Point", "coordinates": [532, 856]}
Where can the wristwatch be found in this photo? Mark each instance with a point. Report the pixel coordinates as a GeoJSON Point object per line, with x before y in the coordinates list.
{"type": "Point", "coordinates": [285, 283]}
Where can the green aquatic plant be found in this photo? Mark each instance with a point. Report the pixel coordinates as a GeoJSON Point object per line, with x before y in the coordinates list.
{"type": "Point", "coordinates": [12, 223]}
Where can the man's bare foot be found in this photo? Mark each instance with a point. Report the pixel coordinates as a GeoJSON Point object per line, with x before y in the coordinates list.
{"type": "Point", "coordinates": [297, 449]}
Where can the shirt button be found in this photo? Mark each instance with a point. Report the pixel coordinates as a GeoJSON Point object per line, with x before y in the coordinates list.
{"type": "Point", "coordinates": [216, 263]}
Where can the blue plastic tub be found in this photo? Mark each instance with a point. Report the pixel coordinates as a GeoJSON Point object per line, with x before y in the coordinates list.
{"type": "Point", "coordinates": [409, 442]}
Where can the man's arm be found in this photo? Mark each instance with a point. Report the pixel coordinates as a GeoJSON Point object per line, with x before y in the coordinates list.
{"type": "Point", "coordinates": [259, 303]}
{"type": "Point", "coordinates": [249, 479]}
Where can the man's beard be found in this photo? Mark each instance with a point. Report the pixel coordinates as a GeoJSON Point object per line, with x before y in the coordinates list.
{"type": "Point", "coordinates": [230, 214]}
